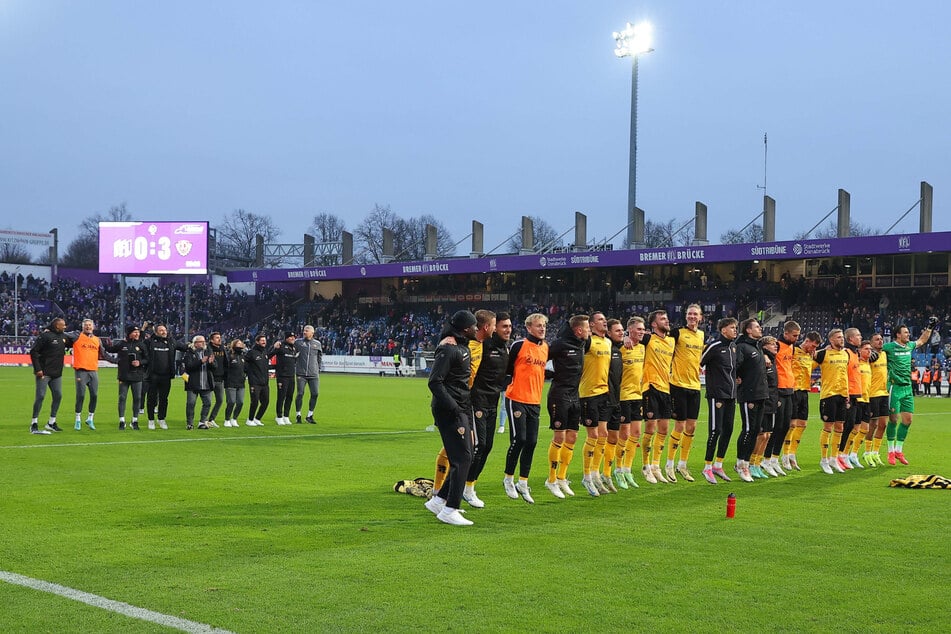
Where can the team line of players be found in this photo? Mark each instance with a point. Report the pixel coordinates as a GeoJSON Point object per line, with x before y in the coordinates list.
{"type": "Point", "coordinates": [625, 385]}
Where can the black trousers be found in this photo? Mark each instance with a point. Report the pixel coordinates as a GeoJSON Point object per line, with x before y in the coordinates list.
{"type": "Point", "coordinates": [719, 427]}
{"type": "Point", "coordinates": [783, 417]}
{"type": "Point", "coordinates": [124, 387]}
{"type": "Point", "coordinates": [260, 397]}
{"type": "Point", "coordinates": [751, 415]}
{"type": "Point", "coordinates": [851, 418]}
{"type": "Point", "coordinates": [523, 436]}
{"type": "Point", "coordinates": [456, 433]}
{"type": "Point", "coordinates": [219, 398]}
{"type": "Point", "coordinates": [483, 420]}
{"type": "Point", "coordinates": [159, 387]}
{"type": "Point", "coordinates": [285, 395]}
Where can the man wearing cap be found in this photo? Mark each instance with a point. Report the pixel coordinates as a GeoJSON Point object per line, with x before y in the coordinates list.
{"type": "Point", "coordinates": [451, 407]}
{"type": "Point", "coordinates": [132, 360]}
{"type": "Point", "coordinates": [309, 357]}
{"type": "Point", "coordinates": [284, 374]}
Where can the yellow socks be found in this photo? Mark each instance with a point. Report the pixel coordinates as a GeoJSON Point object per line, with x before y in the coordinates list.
{"type": "Point", "coordinates": [554, 455]}
{"type": "Point", "coordinates": [630, 451]}
{"type": "Point", "coordinates": [674, 444]}
{"type": "Point", "coordinates": [646, 447]}
{"type": "Point", "coordinates": [442, 469]}
{"type": "Point", "coordinates": [824, 443]}
{"type": "Point", "coordinates": [590, 445]}
{"type": "Point", "coordinates": [564, 459]}
{"type": "Point", "coordinates": [685, 444]}
{"type": "Point", "coordinates": [610, 452]}
{"type": "Point", "coordinates": [599, 454]}
{"type": "Point", "coordinates": [658, 448]}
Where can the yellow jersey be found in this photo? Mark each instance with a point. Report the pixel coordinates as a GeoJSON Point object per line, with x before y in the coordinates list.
{"type": "Point", "coordinates": [834, 370]}
{"type": "Point", "coordinates": [597, 363]}
{"type": "Point", "coordinates": [658, 355]}
{"type": "Point", "coordinates": [802, 369]}
{"type": "Point", "coordinates": [880, 375]}
{"type": "Point", "coordinates": [685, 368]}
{"type": "Point", "coordinates": [633, 373]}
{"type": "Point", "coordinates": [865, 369]}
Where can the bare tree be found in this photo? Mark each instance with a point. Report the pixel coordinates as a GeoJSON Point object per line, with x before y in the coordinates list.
{"type": "Point", "coordinates": [368, 235]}
{"type": "Point", "coordinates": [831, 230]}
{"type": "Point", "coordinates": [237, 238]}
{"type": "Point", "coordinates": [753, 233]}
{"type": "Point", "coordinates": [326, 229]}
{"type": "Point", "coordinates": [410, 238]}
{"type": "Point", "coordinates": [667, 234]}
{"type": "Point", "coordinates": [12, 253]}
{"type": "Point", "coordinates": [83, 252]}
{"type": "Point", "coordinates": [544, 235]}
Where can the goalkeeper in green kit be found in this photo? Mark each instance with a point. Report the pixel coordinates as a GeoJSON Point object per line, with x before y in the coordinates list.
{"type": "Point", "coordinates": [901, 400]}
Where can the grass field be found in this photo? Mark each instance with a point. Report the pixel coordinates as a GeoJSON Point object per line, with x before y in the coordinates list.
{"type": "Point", "coordinates": [284, 529]}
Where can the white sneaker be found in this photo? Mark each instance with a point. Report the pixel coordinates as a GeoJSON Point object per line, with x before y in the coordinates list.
{"type": "Point", "coordinates": [163, 424]}
{"type": "Point", "coordinates": [835, 465]}
{"type": "Point", "coordinates": [473, 499]}
{"type": "Point", "coordinates": [767, 466]}
{"type": "Point", "coordinates": [659, 475]}
{"type": "Point", "coordinates": [509, 486]}
{"type": "Point", "coordinates": [454, 517]}
{"type": "Point", "coordinates": [794, 463]}
{"type": "Point", "coordinates": [745, 474]}
{"type": "Point", "coordinates": [854, 460]}
{"type": "Point", "coordinates": [555, 489]}
{"type": "Point", "coordinates": [785, 462]}
{"type": "Point", "coordinates": [648, 474]}
{"type": "Point", "coordinates": [435, 505]}
{"type": "Point", "coordinates": [824, 465]}
{"type": "Point", "coordinates": [563, 485]}
{"type": "Point", "coordinates": [258, 423]}
{"type": "Point", "coordinates": [589, 486]}
{"type": "Point", "coordinates": [250, 422]}
{"type": "Point", "coordinates": [778, 469]}
{"type": "Point", "coordinates": [671, 475]}
{"type": "Point", "coordinates": [212, 424]}
{"type": "Point", "coordinates": [522, 487]}
{"type": "Point", "coordinates": [151, 424]}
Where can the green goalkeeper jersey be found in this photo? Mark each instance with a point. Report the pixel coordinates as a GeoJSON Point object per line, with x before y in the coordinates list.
{"type": "Point", "coordinates": [899, 362]}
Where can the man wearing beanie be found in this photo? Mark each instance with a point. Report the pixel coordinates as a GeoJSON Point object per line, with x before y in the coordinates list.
{"type": "Point", "coordinates": [284, 373]}
{"type": "Point", "coordinates": [449, 384]}
{"type": "Point", "coordinates": [132, 359]}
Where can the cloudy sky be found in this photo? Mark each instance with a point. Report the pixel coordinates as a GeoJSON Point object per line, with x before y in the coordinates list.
{"type": "Point", "coordinates": [487, 111]}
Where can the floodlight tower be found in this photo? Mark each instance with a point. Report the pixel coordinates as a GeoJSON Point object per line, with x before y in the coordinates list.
{"type": "Point", "coordinates": [633, 41]}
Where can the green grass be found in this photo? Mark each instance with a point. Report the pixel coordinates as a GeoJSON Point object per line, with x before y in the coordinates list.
{"type": "Point", "coordinates": [280, 529]}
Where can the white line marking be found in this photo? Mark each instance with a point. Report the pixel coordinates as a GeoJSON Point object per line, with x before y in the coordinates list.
{"type": "Point", "coordinates": [210, 439]}
{"type": "Point", "coordinates": [108, 604]}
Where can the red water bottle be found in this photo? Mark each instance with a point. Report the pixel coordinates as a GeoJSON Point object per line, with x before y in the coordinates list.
{"type": "Point", "coordinates": [731, 505]}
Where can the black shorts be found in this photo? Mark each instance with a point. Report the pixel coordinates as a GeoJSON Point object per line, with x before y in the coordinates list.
{"type": "Point", "coordinates": [768, 423]}
{"type": "Point", "coordinates": [686, 402]}
{"type": "Point", "coordinates": [632, 411]}
{"type": "Point", "coordinates": [878, 406]}
{"type": "Point", "coordinates": [656, 404]}
{"type": "Point", "coordinates": [564, 413]}
{"type": "Point", "coordinates": [614, 418]}
{"type": "Point", "coordinates": [832, 409]}
{"type": "Point", "coordinates": [863, 415]}
{"type": "Point", "coordinates": [800, 405]}
{"type": "Point", "coordinates": [595, 409]}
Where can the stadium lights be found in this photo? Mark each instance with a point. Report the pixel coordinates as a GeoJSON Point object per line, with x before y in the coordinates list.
{"type": "Point", "coordinates": [633, 41]}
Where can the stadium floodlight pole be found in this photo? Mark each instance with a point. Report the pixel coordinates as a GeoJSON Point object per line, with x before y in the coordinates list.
{"type": "Point", "coordinates": [16, 305]}
{"type": "Point", "coordinates": [633, 41]}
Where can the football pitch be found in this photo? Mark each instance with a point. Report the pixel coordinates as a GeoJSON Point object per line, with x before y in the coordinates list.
{"type": "Point", "coordinates": [284, 529]}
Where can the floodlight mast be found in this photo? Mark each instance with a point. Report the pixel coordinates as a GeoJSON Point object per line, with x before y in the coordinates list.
{"type": "Point", "coordinates": [633, 41]}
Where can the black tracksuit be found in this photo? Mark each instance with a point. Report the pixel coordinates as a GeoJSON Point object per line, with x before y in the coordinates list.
{"type": "Point", "coordinates": [161, 370]}
{"type": "Point", "coordinates": [285, 376]}
{"type": "Point", "coordinates": [489, 381]}
{"type": "Point", "coordinates": [719, 363]}
{"type": "Point", "coordinates": [256, 366]}
{"type": "Point", "coordinates": [751, 369]}
{"type": "Point", "coordinates": [451, 407]}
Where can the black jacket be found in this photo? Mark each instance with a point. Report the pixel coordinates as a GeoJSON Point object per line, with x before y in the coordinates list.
{"type": "Point", "coordinates": [127, 351]}
{"type": "Point", "coordinates": [256, 365]}
{"type": "Point", "coordinates": [566, 354]}
{"type": "Point", "coordinates": [235, 372]}
{"type": "Point", "coordinates": [221, 362]}
{"type": "Point", "coordinates": [751, 368]}
{"type": "Point", "coordinates": [615, 371]}
{"type": "Point", "coordinates": [286, 360]}
{"type": "Point", "coordinates": [719, 363]}
{"type": "Point", "coordinates": [162, 356]}
{"type": "Point", "coordinates": [490, 378]}
{"type": "Point", "coordinates": [200, 372]}
{"type": "Point", "coordinates": [772, 385]}
{"type": "Point", "coordinates": [48, 353]}
{"type": "Point", "coordinates": [449, 378]}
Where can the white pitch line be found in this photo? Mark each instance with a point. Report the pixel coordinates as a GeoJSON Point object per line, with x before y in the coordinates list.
{"type": "Point", "coordinates": [108, 604]}
{"type": "Point", "coordinates": [210, 439]}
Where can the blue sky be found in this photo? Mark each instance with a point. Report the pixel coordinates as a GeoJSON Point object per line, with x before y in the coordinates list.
{"type": "Point", "coordinates": [487, 111]}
